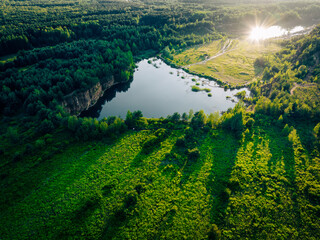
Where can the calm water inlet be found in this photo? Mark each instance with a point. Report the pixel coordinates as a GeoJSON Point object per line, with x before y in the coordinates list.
{"type": "Point", "coordinates": [159, 90]}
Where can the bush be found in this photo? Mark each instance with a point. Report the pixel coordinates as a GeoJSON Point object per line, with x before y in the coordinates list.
{"type": "Point", "coordinates": [141, 123]}
{"type": "Point", "coordinates": [193, 154]}
{"type": "Point", "coordinates": [199, 119]}
{"type": "Point", "coordinates": [149, 144]}
{"type": "Point", "coordinates": [225, 195]}
{"type": "Point", "coordinates": [214, 233]}
{"type": "Point", "coordinates": [181, 142]}
{"type": "Point", "coordinates": [131, 201]}
{"type": "Point", "coordinates": [195, 89]}
{"type": "Point", "coordinates": [161, 133]}
{"type": "Point", "coordinates": [249, 122]}
{"type": "Point", "coordinates": [286, 130]}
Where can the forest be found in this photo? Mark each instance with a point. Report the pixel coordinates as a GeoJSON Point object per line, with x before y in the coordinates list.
{"type": "Point", "coordinates": [251, 172]}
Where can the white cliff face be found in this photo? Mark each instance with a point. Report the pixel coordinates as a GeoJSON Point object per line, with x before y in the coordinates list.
{"type": "Point", "coordinates": [77, 102]}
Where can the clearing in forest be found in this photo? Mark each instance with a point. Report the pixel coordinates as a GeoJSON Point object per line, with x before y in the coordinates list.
{"type": "Point", "coordinates": [230, 61]}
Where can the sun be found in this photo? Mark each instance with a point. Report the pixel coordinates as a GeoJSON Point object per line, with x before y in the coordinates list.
{"type": "Point", "coordinates": [258, 34]}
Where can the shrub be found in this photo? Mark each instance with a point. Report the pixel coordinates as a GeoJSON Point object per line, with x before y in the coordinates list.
{"type": "Point", "coordinates": [142, 123]}
{"type": "Point", "coordinates": [181, 142]}
{"type": "Point", "coordinates": [286, 130]}
{"type": "Point", "coordinates": [249, 122]}
{"type": "Point", "coordinates": [199, 119]}
{"type": "Point", "coordinates": [149, 144]}
{"type": "Point", "coordinates": [161, 133]}
{"type": "Point", "coordinates": [225, 195]}
{"type": "Point", "coordinates": [131, 201]}
{"type": "Point", "coordinates": [193, 154]}
{"type": "Point", "coordinates": [316, 131]}
{"type": "Point", "coordinates": [214, 233]}
{"type": "Point", "coordinates": [195, 89]}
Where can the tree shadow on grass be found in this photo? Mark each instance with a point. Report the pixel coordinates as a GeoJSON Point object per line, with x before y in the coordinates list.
{"type": "Point", "coordinates": [258, 70]}
{"type": "Point", "coordinates": [78, 218]}
{"type": "Point", "coordinates": [281, 149]}
{"type": "Point", "coordinates": [149, 146]}
{"type": "Point", "coordinates": [225, 151]}
{"type": "Point", "coordinates": [19, 186]}
{"type": "Point", "coordinates": [305, 132]}
{"type": "Point", "coordinates": [120, 216]}
{"type": "Point", "coordinates": [184, 156]}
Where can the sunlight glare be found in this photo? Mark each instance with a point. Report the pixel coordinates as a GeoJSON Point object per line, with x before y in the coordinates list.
{"type": "Point", "coordinates": [260, 33]}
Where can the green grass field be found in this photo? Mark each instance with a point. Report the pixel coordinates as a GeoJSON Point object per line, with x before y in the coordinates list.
{"type": "Point", "coordinates": [259, 186]}
{"type": "Point", "coordinates": [198, 53]}
{"type": "Point", "coordinates": [234, 67]}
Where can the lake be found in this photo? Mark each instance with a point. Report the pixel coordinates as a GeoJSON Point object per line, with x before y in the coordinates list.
{"type": "Point", "coordinates": [159, 90]}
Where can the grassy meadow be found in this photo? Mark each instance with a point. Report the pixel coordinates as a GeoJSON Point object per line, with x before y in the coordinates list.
{"type": "Point", "coordinates": [234, 67]}
{"type": "Point", "coordinates": [198, 53]}
{"type": "Point", "coordinates": [259, 185]}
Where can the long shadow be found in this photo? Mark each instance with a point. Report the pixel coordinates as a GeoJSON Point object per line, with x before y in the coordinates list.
{"type": "Point", "coordinates": [182, 158]}
{"type": "Point", "coordinates": [258, 70]}
{"type": "Point", "coordinates": [281, 148]}
{"type": "Point", "coordinates": [113, 222]}
{"type": "Point", "coordinates": [15, 187]}
{"type": "Point", "coordinates": [78, 218]}
{"type": "Point", "coordinates": [148, 147]}
{"type": "Point", "coordinates": [225, 152]}
{"type": "Point", "coordinates": [193, 164]}
{"type": "Point", "coordinates": [122, 215]}
{"type": "Point", "coordinates": [305, 132]}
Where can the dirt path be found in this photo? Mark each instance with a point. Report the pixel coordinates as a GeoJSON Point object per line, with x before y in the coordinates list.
{"type": "Point", "coordinates": [295, 85]}
{"type": "Point", "coordinates": [226, 48]}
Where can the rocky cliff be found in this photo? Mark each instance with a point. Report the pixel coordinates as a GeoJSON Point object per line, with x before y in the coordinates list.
{"type": "Point", "coordinates": [76, 102]}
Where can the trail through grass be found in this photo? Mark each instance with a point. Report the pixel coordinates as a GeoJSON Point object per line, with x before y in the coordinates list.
{"type": "Point", "coordinates": [230, 61]}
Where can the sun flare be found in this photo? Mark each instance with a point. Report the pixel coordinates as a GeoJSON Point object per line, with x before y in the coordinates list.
{"type": "Point", "coordinates": [257, 34]}
{"type": "Point", "coordinates": [260, 33]}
